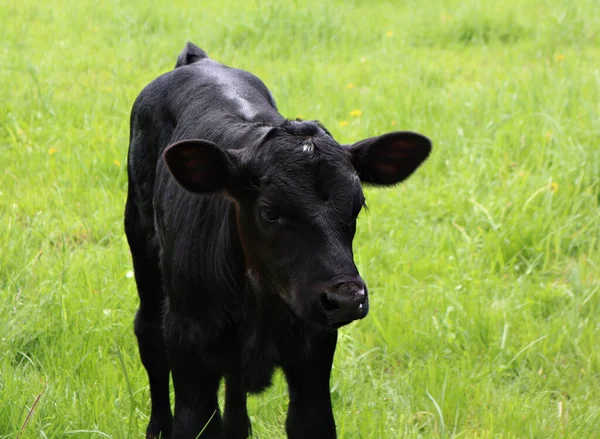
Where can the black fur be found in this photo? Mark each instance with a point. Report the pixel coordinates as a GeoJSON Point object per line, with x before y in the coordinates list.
{"type": "Point", "coordinates": [242, 246]}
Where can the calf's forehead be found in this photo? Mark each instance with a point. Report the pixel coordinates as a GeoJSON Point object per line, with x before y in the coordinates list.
{"type": "Point", "coordinates": [310, 174]}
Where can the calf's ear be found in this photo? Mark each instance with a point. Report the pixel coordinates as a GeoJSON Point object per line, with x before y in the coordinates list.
{"type": "Point", "coordinates": [200, 165]}
{"type": "Point", "coordinates": [390, 158]}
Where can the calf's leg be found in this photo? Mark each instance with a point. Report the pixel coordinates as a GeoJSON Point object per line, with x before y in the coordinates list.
{"type": "Point", "coordinates": [309, 412]}
{"type": "Point", "coordinates": [147, 325]}
{"type": "Point", "coordinates": [196, 370]}
{"type": "Point", "coordinates": [236, 423]}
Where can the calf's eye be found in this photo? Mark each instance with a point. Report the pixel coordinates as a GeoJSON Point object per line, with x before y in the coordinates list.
{"type": "Point", "coordinates": [269, 214]}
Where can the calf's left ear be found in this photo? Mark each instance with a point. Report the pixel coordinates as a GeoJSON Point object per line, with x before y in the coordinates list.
{"type": "Point", "coordinates": [390, 158]}
{"type": "Point", "coordinates": [200, 166]}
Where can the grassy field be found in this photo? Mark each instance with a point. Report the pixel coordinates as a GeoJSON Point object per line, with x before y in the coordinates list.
{"type": "Point", "coordinates": [484, 267]}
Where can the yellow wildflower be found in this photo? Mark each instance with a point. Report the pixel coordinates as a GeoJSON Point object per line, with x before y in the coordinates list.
{"type": "Point", "coordinates": [389, 33]}
{"type": "Point", "coordinates": [393, 123]}
{"type": "Point", "coordinates": [350, 85]}
{"type": "Point", "coordinates": [356, 113]}
{"type": "Point", "coordinates": [344, 123]}
{"type": "Point", "coordinates": [117, 163]}
{"type": "Point", "coordinates": [548, 136]}
{"type": "Point", "coordinates": [559, 57]}
{"type": "Point", "coordinates": [554, 186]}
{"type": "Point", "coordinates": [52, 151]}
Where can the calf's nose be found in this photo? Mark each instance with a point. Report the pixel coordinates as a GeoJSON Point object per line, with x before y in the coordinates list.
{"type": "Point", "coordinates": [345, 302]}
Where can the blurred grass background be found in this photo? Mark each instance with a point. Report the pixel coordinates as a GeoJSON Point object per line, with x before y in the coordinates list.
{"type": "Point", "coordinates": [483, 267]}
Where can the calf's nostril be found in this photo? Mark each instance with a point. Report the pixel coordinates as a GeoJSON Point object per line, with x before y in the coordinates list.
{"type": "Point", "coordinates": [328, 304]}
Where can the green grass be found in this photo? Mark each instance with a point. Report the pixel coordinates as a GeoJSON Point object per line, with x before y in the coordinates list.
{"type": "Point", "coordinates": [484, 268]}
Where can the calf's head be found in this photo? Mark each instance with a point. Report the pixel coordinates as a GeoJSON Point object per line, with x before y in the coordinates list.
{"type": "Point", "coordinates": [297, 194]}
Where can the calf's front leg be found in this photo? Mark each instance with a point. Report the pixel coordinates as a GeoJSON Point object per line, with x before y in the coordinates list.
{"type": "Point", "coordinates": [196, 404]}
{"type": "Point", "coordinates": [309, 413]}
{"type": "Point", "coordinates": [236, 423]}
{"type": "Point", "coordinates": [196, 380]}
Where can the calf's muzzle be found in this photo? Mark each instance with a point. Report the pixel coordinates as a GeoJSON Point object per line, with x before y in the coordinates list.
{"type": "Point", "coordinates": [345, 301]}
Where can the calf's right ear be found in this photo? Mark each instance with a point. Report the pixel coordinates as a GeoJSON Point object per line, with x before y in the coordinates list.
{"type": "Point", "coordinates": [200, 166]}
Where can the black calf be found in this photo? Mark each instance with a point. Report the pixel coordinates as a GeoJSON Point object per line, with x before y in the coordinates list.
{"type": "Point", "coordinates": [240, 225]}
